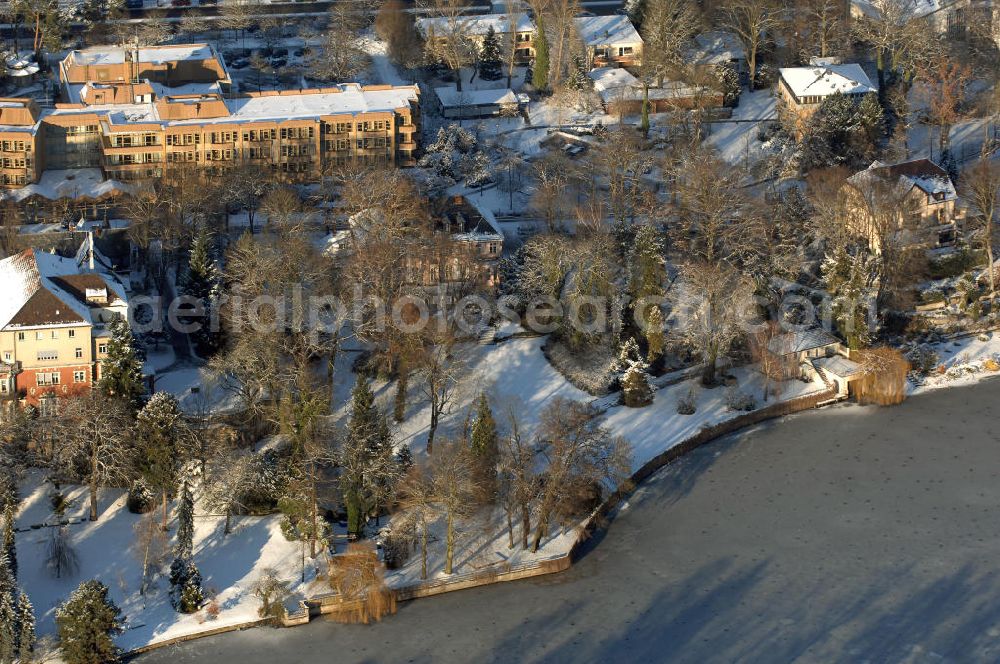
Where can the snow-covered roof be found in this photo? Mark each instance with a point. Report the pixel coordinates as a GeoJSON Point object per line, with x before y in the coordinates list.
{"type": "Point", "coordinates": [476, 24]}
{"type": "Point", "coordinates": [839, 366]}
{"type": "Point", "coordinates": [716, 47]}
{"type": "Point", "coordinates": [921, 173]}
{"type": "Point", "coordinates": [38, 289]}
{"type": "Point", "coordinates": [801, 341]}
{"type": "Point", "coordinates": [452, 98]}
{"type": "Point", "coordinates": [848, 79]}
{"type": "Point", "coordinates": [914, 8]}
{"type": "Point", "coordinates": [76, 183]}
{"type": "Point", "coordinates": [607, 30]}
{"type": "Point", "coordinates": [616, 84]}
{"type": "Point", "coordinates": [114, 55]}
{"type": "Point", "coordinates": [350, 99]}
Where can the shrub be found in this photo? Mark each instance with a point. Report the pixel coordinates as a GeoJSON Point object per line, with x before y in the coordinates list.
{"type": "Point", "coordinates": [738, 400]}
{"type": "Point", "coordinates": [395, 550]}
{"type": "Point", "coordinates": [140, 499]}
{"type": "Point", "coordinates": [271, 591]}
{"type": "Point", "coordinates": [923, 359]}
{"type": "Point", "coordinates": [687, 404]}
{"type": "Point", "coordinates": [991, 365]}
{"type": "Point", "coordinates": [636, 391]}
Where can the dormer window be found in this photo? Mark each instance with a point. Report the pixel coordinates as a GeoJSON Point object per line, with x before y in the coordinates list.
{"type": "Point", "coordinates": [97, 296]}
{"type": "Point", "coordinates": [938, 195]}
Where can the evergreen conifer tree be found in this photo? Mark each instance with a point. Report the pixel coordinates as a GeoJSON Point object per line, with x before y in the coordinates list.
{"type": "Point", "coordinates": [578, 79]}
{"type": "Point", "coordinates": [203, 282]}
{"type": "Point", "coordinates": [636, 391]}
{"type": "Point", "coordinates": [157, 433]}
{"type": "Point", "coordinates": [655, 337]}
{"type": "Point", "coordinates": [87, 622]}
{"type": "Point", "coordinates": [121, 370]}
{"type": "Point", "coordinates": [8, 611]}
{"type": "Point", "coordinates": [7, 541]}
{"type": "Point", "coordinates": [25, 629]}
{"type": "Point", "coordinates": [540, 71]}
{"type": "Point", "coordinates": [485, 447]}
{"type": "Point", "coordinates": [185, 524]}
{"type": "Point", "coordinates": [489, 56]}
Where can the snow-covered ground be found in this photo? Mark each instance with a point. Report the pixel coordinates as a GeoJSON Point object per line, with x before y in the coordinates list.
{"type": "Point", "coordinates": [962, 361]}
{"type": "Point", "coordinates": [736, 139]}
{"type": "Point", "coordinates": [229, 564]}
{"type": "Point", "coordinates": [198, 390]}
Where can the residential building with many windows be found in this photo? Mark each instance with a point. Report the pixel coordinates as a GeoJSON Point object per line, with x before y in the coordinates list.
{"type": "Point", "coordinates": [54, 313]}
{"type": "Point", "coordinates": [181, 115]}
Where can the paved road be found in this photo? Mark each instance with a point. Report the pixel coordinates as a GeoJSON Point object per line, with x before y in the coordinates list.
{"type": "Point", "coordinates": [850, 534]}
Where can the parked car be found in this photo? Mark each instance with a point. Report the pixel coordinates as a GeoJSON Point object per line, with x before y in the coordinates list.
{"type": "Point", "coordinates": [239, 63]}
{"type": "Point", "coordinates": [133, 4]}
{"type": "Point", "coordinates": [278, 63]}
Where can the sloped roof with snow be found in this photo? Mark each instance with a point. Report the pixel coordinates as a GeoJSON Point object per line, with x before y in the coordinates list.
{"type": "Point", "coordinates": [157, 55]}
{"type": "Point", "coordinates": [607, 30]}
{"type": "Point", "coordinates": [914, 8]}
{"type": "Point", "coordinates": [923, 174]}
{"type": "Point", "coordinates": [839, 366]}
{"type": "Point", "coordinates": [801, 341]}
{"type": "Point", "coordinates": [39, 289]}
{"type": "Point", "coordinates": [475, 24]}
{"type": "Point", "coordinates": [823, 81]}
{"type": "Point", "coordinates": [716, 47]}
{"type": "Point", "coordinates": [452, 98]}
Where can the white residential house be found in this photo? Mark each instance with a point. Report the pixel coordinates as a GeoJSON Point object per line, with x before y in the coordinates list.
{"type": "Point", "coordinates": [610, 41]}
{"type": "Point", "coordinates": [718, 47]}
{"type": "Point", "coordinates": [803, 89]}
{"type": "Point", "coordinates": [478, 103]}
{"type": "Point", "coordinates": [474, 27]}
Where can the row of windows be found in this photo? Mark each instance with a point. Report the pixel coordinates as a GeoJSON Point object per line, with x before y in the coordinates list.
{"type": "Point", "coordinates": [297, 132]}
{"type": "Point", "coordinates": [82, 129]}
{"type": "Point", "coordinates": [360, 144]}
{"type": "Point", "coordinates": [344, 127]}
{"type": "Point", "coordinates": [52, 378]}
{"type": "Point", "coordinates": [14, 146]}
{"type": "Point", "coordinates": [7, 162]}
{"type": "Point", "coordinates": [125, 159]}
{"type": "Point", "coordinates": [13, 179]}
{"type": "Point", "coordinates": [51, 334]}
{"type": "Point", "coordinates": [134, 140]}
{"type": "Point", "coordinates": [49, 355]}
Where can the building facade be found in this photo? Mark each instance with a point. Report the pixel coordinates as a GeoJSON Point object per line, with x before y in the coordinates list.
{"type": "Point", "coordinates": [53, 326]}
{"type": "Point", "coordinates": [515, 31]}
{"type": "Point", "coordinates": [924, 201]}
{"type": "Point", "coordinates": [137, 114]}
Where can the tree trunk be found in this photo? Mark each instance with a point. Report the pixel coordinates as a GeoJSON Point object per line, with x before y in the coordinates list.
{"type": "Point", "coordinates": [227, 529]}
{"type": "Point", "coordinates": [525, 524]}
{"type": "Point", "coordinates": [450, 543]}
{"type": "Point", "coordinates": [163, 508]}
{"type": "Point", "coordinates": [93, 501]}
{"type": "Point", "coordinates": [423, 549]}
{"type": "Point", "coordinates": [510, 528]}
{"type": "Point", "coordinates": [540, 529]}
{"type": "Point", "coordinates": [433, 427]}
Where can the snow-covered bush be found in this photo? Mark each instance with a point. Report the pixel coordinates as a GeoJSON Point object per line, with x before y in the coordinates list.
{"type": "Point", "coordinates": [456, 155]}
{"type": "Point", "coordinates": [923, 359]}
{"type": "Point", "coordinates": [687, 404]}
{"type": "Point", "coordinates": [140, 499]}
{"type": "Point", "coordinates": [636, 391]}
{"type": "Point", "coordinates": [737, 399]}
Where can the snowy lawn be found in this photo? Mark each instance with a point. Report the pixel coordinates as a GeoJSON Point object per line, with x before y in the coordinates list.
{"type": "Point", "coordinates": [736, 139]}
{"type": "Point", "coordinates": [229, 564]}
{"type": "Point", "coordinates": [197, 389]}
{"type": "Point", "coordinates": [480, 543]}
{"type": "Point", "coordinates": [961, 362]}
{"type": "Point", "coordinates": [658, 427]}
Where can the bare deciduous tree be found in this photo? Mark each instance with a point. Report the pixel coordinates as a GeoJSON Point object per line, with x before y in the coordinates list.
{"type": "Point", "coordinates": [455, 490]}
{"type": "Point", "coordinates": [751, 20]}
{"type": "Point", "coordinates": [95, 435]}
{"type": "Point", "coordinates": [981, 185]}
{"type": "Point", "coordinates": [583, 459]}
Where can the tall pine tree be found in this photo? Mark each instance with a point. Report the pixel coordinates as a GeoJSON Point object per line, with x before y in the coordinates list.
{"type": "Point", "coordinates": [485, 447]}
{"type": "Point", "coordinates": [157, 429]}
{"type": "Point", "coordinates": [365, 457]}
{"type": "Point", "coordinates": [121, 370]}
{"type": "Point", "coordinates": [185, 524]}
{"type": "Point", "coordinates": [203, 282]}
{"type": "Point", "coordinates": [540, 71]}
{"type": "Point", "coordinates": [7, 541]}
{"type": "Point", "coordinates": [8, 611]}
{"type": "Point", "coordinates": [489, 56]}
{"type": "Point", "coordinates": [25, 629]}
{"type": "Point", "coordinates": [87, 622]}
